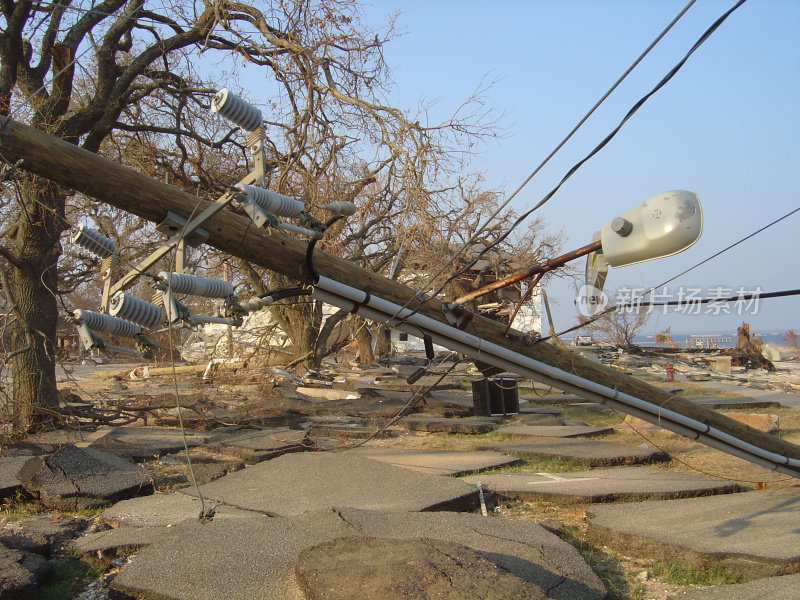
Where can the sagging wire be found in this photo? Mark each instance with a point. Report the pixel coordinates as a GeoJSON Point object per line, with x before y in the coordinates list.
{"type": "Point", "coordinates": [312, 245]}
{"type": "Point", "coordinates": [205, 516]}
{"type": "Point", "coordinates": [546, 160]}
{"type": "Point", "coordinates": [635, 301]}
{"type": "Point", "coordinates": [672, 456]}
{"type": "Point", "coordinates": [603, 143]}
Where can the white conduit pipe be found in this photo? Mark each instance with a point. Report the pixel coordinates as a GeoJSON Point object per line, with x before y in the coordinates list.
{"type": "Point", "coordinates": [657, 419]}
{"type": "Point", "coordinates": [478, 348]}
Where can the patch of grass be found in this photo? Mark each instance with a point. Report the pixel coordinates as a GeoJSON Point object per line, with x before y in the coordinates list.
{"type": "Point", "coordinates": [464, 441]}
{"type": "Point", "coordinates": [19, 506]}
{"type": "Point", "coordinates": [677, 575]}
{"type": "Point", "coordinates": [591, 417]}
{"type": "Point", "coordinates": [167, 483]}
{"type": "Point", "coordinates": [544, 464]}
{"type": "Point", "coordinates": [89, 512]}
{"type": "Point", "coordinates": [687, 388]}
{"type": "Point", "coordinates": [537, 465]}
{"type": "Point", "coordinates": [605, 566]}
{"type": "Point", "coordinates": [67, 579]}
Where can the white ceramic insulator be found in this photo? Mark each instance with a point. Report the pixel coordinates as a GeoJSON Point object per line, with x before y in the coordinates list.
{"type": "Point", "coordinates": [272, 202]}
{"type": "Point", "coordinates": [182, 283]}
{"type": "Point", "coordinates": [136, 310]}
{"type": "Point", "coordinates": [93, 241]}
{"type": "Point", "coordinates": [108, 324]}
{"type": "Point", "coordinates": [236, 110]}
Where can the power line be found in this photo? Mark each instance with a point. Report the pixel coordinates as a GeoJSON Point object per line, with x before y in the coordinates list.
{"type": "Point", "coordinates": [603, 143]}
{"type": "Point", "coordinates": [550, 156]}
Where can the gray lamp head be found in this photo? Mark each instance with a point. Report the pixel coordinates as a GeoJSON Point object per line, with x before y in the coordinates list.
{"type": "Point", "coordinates": [661, 226]}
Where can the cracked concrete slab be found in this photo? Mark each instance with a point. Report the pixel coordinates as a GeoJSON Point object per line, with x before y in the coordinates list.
{"type": "Point", "coordinates": [10, 466]}
{"type": "Point", "coordinates": [768, 588]}
{"type": "Point", "coordinates": [20, 573]}
{"type": "Point", "coordinates": [749, 535]}
{"type": "Point", "coordinates": [537, 410]}
{"type": "Point", "coordinates": [412, 569]}
{"type": "Point", "coordinates": [536, 400]}
{"type": "Point", "coordinates": [143, 443]}
{"type": "Point", "coordinates": [241, 559]}
{"type": "Point", "coordinates": [472, 425]}
{"type": "Point", "coordinates": [603, 485]}
{"type": "Point", "coordinates": [564, 431]}
{"type": "Point", "coordinates": [203, 561]}
{"type": "Point", "coordinates": [542, 419]}
{"type": "Point", "coordinates": [77, 478]}
{"type": "Point", "coordinates": [124, 539]}
{"type": "Point", "coordinates": [295, 483]}
{"type": "Point", "coordinates": [588, 452]}
{"type": "Point", "coordinates": [264, 444]}
{"type": "Point", "coordinates": [437, 462]}
{"type": "Point", "coordinates": [163, 510]}
{"type": "Point", "coordinates": [734, 403]}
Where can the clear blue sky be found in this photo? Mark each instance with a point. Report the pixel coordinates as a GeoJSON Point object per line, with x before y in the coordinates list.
{"type": "Point", "coordinates": [727, 126]}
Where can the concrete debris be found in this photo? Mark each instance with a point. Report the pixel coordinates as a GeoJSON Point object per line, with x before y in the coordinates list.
{"type": "Point", "coordinates": [586, 452]}
{"type": "Point", "coordinates": [468, 425]}
{"type": "Point", "coordinates": [20, 572]}
{"type": "Point", "coordinates": [564, 431]}
{"type": "Point", "coordinates": [412, 569]}
{"type": "Point", "coordinates": [80, 478]}
{"type": "Point", "coordinates": [603, 485]}
{"type": "Point", "coordinates": [735, 403]}
{"type": "Point", "coordinates": [748, 535]}
{"type": "Point", "coordinates": [263, 444]}
{"type": "Point", "coordinates": [10, 466]}
{"type": "Point", "coordinates": [44, 535]}
{"type": "Point", "coordinates": [294, 483]}
{"type": "Point", "coordinates": [269, 529]}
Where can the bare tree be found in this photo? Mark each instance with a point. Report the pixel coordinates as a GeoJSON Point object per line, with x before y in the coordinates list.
{"type": "Point", "coordinates": [120, 78]}
{"type": "Point", "coordinates": [618, 327]}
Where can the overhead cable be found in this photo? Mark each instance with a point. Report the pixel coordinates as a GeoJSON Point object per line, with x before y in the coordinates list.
{"type": "Point", "coordinates": [560, 145]}
{"type": "Point", "coordinates": [599, 146]}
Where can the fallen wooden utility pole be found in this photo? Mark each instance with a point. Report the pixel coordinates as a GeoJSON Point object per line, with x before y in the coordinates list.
{"type": "Point", "coordinates": [150, 199]}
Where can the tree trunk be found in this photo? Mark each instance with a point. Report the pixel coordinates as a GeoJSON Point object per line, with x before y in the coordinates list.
{"type": "Point", "coordinates": [301, 322]}
{"type": "Point", "coordinates": [33, 289]}
{"type": "Point", "coordinates": [325, 333]}
{"type": "Point", "coordinates": [385, 342]}
{"type": "Point", "coordinates": [364, 340]}
{"type": "Point", "coordinates": [747, 354]}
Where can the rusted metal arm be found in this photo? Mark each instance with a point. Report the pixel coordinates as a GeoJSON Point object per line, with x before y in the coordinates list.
{"type": "Point", "coordinates": [551, 264]}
